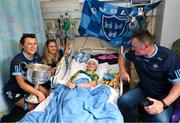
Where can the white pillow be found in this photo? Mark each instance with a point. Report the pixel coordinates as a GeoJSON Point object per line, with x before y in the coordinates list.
{"type": "Point", "coordinates": [102, 68]}
{"type": "Point", "coordinates": [60, 72]}
{"type": "Point", "coordinates": [76, 66]}
{"type": "Point", "coordinates": [114, 68]}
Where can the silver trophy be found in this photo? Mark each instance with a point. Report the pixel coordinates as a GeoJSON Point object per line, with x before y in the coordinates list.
{"type": "Point", "coordinates": [36, 74]}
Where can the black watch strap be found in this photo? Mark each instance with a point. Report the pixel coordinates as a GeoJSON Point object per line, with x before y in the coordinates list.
{"type": "Point", "coordinates": [165, 106]}
{"type": "Point", "coordinates": [76, 85]}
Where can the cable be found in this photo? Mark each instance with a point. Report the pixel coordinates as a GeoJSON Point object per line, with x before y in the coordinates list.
{"type": "Point", "coordinates": [85, 42]}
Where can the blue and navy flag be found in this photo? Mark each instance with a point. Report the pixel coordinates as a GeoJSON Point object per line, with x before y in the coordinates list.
{"type": "Point", "coordinates": [110, 22]}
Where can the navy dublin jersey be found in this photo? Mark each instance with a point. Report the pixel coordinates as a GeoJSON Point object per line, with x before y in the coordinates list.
{"type": "Point", "coordinates": [157, 72]}
{"type": "Point", "coordinates": [15, 69]}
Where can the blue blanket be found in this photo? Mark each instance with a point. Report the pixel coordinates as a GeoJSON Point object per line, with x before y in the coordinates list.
{"type": "Point", "coordinates": [79, 105]}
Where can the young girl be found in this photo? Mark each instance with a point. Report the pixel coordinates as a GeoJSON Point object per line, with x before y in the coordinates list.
{"type": "Point", "coordinates": [86, 78]}
{"type": "Point", "coordinates": [18, 87]}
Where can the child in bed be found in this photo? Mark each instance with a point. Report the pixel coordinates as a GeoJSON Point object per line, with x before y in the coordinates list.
{"type": "Point", "coordinates": [87, 78]}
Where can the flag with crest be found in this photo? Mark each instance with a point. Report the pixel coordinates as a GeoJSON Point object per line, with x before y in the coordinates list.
{"type": "Point", "coordinates": [112, 23]}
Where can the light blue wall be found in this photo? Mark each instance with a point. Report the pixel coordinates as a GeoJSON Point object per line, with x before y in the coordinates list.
{"type": "Point", "coordinates": [171, 23]}
{"type": "Point", "coordinates": [168, 23]}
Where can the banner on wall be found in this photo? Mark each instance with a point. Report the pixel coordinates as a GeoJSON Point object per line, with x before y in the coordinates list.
{"type": "Point", "coordinates": [114, 24]}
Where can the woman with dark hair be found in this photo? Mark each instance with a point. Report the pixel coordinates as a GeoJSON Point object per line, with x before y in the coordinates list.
{"type": "Point", "coordinates": [18, 88]}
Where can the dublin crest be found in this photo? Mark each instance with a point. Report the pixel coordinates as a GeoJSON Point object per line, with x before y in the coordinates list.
{"type": "Point", "coordinates": [114, 26]}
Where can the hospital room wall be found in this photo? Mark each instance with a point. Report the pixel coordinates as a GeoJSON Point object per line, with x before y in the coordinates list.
{"type": "Point", "coordinates": [88, 42]}
{"type": "Point", "coordinates": [164, 25]}
{"type": "Point", "coordinates": [167, 24]}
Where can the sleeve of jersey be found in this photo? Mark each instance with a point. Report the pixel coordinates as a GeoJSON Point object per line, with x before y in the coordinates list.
{"type": "Point", "coordinates": [15, 67]}
{"type": "Point", "coordinates": [128, 55]}
{"type": "Point", "coordinates": [174, 70]}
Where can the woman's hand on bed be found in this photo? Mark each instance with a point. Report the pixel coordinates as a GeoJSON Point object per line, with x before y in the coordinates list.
{"type": "Point", "coordinates": [41, 96]}
{"type": "Point", "coordinates": [71, 85]}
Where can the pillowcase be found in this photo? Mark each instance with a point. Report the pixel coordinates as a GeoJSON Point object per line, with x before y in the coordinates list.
{"type": "Point", "coordinates": [61, 69]}
{"type": "Point", "coordinates": [59, 74]}
{"type": "Point", "coordinates": [76, 66]}
{"type": "Point", "coordinates": [113, 68]}
{"type": "Point", "coordinates": [102, 68]}
{"type": "Point", "coordinates": [81, 57]}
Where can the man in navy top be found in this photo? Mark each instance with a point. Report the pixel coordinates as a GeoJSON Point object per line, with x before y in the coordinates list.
{"type": "Point", "coordinates": [158, 69]}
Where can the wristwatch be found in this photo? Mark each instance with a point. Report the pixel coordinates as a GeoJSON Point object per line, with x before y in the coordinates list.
{"type": "Point", "coordinates": [165, 106]}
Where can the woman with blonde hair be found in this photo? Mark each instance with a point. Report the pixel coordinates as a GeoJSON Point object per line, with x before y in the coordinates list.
{"type": "Point", "coordinates": [51, 55]}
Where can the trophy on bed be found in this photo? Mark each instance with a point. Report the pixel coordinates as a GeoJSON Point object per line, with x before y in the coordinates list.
{"type": "Point", "coordinates": [36, 74]}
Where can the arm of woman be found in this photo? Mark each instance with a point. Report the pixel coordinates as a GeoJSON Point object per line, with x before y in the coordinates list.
{"type": "Point", "coordinates": [28, 88]}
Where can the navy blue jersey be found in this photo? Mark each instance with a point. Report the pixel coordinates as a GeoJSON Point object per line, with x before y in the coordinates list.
{"type": "Point", "coordinates": [15, 66]}
{"type": "Point", "coordinates": [158, 72]}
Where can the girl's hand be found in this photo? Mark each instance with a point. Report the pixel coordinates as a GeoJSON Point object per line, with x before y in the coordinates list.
{"type": "Point", "coordinates": [41, 96]}
{"type": "Point", "coordinates": [71, 84]}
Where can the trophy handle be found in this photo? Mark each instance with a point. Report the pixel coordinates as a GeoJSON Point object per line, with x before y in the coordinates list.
{"type": "Point", "coordinates": [23, 67]}
{"type": "Point", "coordinates": [36, 86]}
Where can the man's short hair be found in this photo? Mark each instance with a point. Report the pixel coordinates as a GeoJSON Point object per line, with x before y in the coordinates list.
{"type": "Point", "coordinates": [144, 36]}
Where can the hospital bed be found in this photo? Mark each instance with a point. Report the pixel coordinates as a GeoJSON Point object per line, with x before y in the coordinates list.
{"type": "Point", "coordinates": [71, 64]}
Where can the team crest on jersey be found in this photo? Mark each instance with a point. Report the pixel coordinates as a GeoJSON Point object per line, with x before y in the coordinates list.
{"type": "Point", "coordinates": [114, 26]}
{"type": "Point", "coordinates": [155, 66]}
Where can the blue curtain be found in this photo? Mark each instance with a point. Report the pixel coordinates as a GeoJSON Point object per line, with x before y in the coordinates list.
{"type": "Point", "coordinates": [17, 17]}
